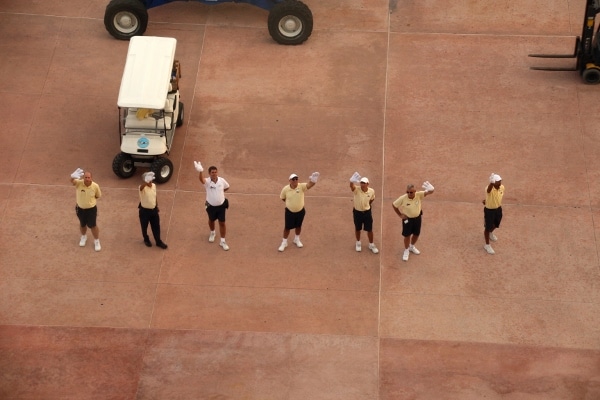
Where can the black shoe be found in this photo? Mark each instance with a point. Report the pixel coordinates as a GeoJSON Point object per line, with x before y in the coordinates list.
{"type": "Point", "coordinates": [162, 245]}
{"type": "Point", "coordinates": [147, 242]}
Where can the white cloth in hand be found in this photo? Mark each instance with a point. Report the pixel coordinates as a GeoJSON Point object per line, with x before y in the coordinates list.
{"type": "Point", "coordinates": [198, 166]}
{"type": "Point", "coordinates": [77, 174]}
{"type": "Point", "coordinates": [428, 186]}
{"type": "Point", "coordinates": [492, 178]}
{"type": "Point", "coordinates": [355, 178]}
{"type": "Point", "coordinates": [314, 177]}
{"type": "Point", "coordinates": [149, 177]}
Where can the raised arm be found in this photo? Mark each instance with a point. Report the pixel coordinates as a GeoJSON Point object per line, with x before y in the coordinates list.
{"type": "Point", "coordinates": [491, 184]}
{"type": "Point", "coordinates": [354, 179]}
{"type": "Point", "coordinates": [200, 169]}
{"type": "Point", "coordinates": [428, 188]}
{"type": "Point", "coordinates": [77, 174]}
{"type": "Point", "coordinates": [312, 181]}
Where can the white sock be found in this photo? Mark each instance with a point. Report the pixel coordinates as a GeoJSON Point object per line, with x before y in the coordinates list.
{"type": "Point", "coordinates": [284, 240]}
{"type": "Point", "coordinates": [297, 238]}
{"type": "Point", "coordinates": [222, 240]}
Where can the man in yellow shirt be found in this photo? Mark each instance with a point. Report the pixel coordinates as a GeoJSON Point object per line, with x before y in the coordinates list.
{"type": "Point", "coordinates": [408, 207]}
{"type": "Point", "coordinates": [293, 197]}
{"type": "Point", "coordinates": [86, 194]}
{"type": "Point", "coordinates": [492, 210]}
{"type": "Point", "coordinates": [363, 218]}
{"type": "Point", "coordinates": [148, 211]}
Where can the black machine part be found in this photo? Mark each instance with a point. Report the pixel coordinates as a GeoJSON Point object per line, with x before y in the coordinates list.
{"type": "Point", "coordinates": [586, 52]}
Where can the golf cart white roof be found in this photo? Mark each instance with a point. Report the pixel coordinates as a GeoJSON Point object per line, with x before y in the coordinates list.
{"type": "Point", "coordinates": [147, 72]}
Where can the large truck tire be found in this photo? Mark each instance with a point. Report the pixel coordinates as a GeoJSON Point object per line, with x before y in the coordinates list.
{"type": "Point", "coordinates": [290, 22]}
{"type": "Point", "coordinates": [124, 19]}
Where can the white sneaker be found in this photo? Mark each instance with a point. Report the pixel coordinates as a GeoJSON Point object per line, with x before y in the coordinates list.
{"type": "Point", "coordinates": [489, 249]}
{"type": "Point", "coordinates": [211, 237]}
{"type": "Point", "coordinates": [283, 246]}
{"type": "Point", "coordinates": [414, 250]}
{"type": "Point", "coordinates": [373, 248]}
{"type": "Point", "coordinates": [358, 246]}
{"type": "Point", "coordinates": [405, 255]}
{"type": "Point", "coordinates": [493, 237]}
{"type": "Point", "coordinates": [298, 243]}
{"type": "Point", "coordinates": [224, 246]}
{"type": "Point", "coordinates": [97, 246]}
{"type": "Point", "coordinates": [82, 240]}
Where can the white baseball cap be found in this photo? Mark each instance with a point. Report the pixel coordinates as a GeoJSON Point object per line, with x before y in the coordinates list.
{"type": "Point", "coordinates": [364, 179]}
{"type": "Point", "coordinates": [497, 178]}
{"type": "Point", "coordinates": [292, 176]}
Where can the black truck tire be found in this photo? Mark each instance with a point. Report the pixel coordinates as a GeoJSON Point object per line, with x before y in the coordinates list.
{"type": "Point", "coordinates": [290, 22]}
{"type": "Point", "coordinates": [124, 19]}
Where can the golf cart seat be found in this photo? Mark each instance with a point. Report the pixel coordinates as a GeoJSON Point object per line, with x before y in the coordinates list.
{"type": "Point", "coordinates": [150, 122]}
{"type": "Point", "coordinates": [170, 103]}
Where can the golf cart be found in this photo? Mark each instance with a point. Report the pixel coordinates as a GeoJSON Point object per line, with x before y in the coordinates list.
{"type": "Point", "coordinates": [149, 107]}
{"type": "Point", "coordinates": [289, 22]}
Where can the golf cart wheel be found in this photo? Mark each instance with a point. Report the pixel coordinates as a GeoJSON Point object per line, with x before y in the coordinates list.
{"type": "Point", "coordinates": [162, 168]}
{"type": "Point", "coordinates": [123, 165]}
{"type": "Point", "coordinates": [290, 22]}
{"type": "Point", "coordinates": [180, 115]}
{"type": "Point", "coordinates": [591, 76]}
{"type": "Point", "coordinates": [124, 19]}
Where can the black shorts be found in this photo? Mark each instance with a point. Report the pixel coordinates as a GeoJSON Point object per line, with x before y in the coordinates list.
{"type": "Point", "coordinates": [216, 212]}
{"type": "Point", "coordinates": [87, 216]}
{"type": "Point", "coordinates": [411, 226]}
{"type": "Point", "coordinates": [363, 220]}
{"type": "Point", "coordinates": [294, 220]}
{"type": "Point", "coordinates": [492, 218]}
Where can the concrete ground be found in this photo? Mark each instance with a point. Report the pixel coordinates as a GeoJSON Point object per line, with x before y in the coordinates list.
{"type": "Point", "coordinates": [402, 92]}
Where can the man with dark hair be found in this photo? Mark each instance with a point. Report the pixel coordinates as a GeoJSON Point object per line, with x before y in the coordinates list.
{"type": "Point", "coordinates": [408, 207]}
{"type": "Point", "coordinates": [216, 203]}
{"type": "Point", "coordinates": [293, 197]}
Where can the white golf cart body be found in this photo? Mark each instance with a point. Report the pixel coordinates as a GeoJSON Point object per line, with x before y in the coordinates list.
{"type": "Point", "coordinates": [149, 107]}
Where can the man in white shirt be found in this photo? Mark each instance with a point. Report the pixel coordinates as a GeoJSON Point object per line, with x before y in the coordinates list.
{"type": "Point", "coordinates": [216, 203]}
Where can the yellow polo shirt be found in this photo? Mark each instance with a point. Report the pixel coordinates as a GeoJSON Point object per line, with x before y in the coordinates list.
{"type": "Point", "coordinates": [86, 195]}
{"type": "Point", "coordinates": [148, 197]}
{"type": "Point", "coordinates": [493, 199]}
{"type": "Point", "coordinates": [362, 200]}
{"type": "Point", "coordinates": [410, 207]}
{"type": "Point", "coordinates": [294, 198]}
